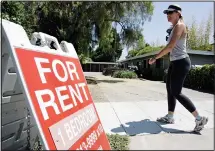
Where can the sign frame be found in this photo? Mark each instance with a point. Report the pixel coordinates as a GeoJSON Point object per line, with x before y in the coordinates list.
{"type": "Point", "coordinates": [21, 41]}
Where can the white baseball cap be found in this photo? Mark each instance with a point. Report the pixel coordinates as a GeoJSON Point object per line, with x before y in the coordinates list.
{"type": "Point", "coordinates": [173, 8]}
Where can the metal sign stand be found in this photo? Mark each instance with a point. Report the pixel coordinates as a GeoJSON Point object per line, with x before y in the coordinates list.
{"type": "Point", "coordinates": [18, 126]}
{"type": "Point", "coordinates": [23, 122]}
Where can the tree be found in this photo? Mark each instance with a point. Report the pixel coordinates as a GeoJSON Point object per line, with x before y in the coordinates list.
{"type": "Point", "coordinates": [140, 43]}
{"type": "Point", "coordinates": [84, 24]}
{"type": "Point", "coordinates": [110, 49]}
{"type": "Point", "coordinates": [137, 45]}
{"type": "Point", "coordinates": [199, 35]}
{"type": "Point", "coordinates": [208, 30]}
{"type": "Point", "coordinates": [192, 35]}
{"type": "Point", "coordinates": [22, 13]}
{"type": "Point", "coordinates": [132, 53]}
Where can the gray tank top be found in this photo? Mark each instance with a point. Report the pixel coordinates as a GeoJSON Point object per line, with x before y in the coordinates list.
{"type": "Point", "coordinates": [179, 51]}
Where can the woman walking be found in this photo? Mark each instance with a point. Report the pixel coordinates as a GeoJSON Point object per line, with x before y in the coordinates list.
{"type": "Point", "coordinates": [178, 69]}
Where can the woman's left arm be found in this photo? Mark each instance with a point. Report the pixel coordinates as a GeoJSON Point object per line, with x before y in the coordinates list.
{"type": "Point", "coordinates": [176, 35]}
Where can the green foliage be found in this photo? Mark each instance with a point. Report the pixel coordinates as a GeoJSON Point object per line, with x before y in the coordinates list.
{"type": "Point", "coordinates": [140, 44]}
{"type": "Point", "coordinates": [109, 49]}
{"type": "Point", "coordinates": [118, 142]}
{"type": "Point", "coordinates": [137, 46]}
{"type": "Point", "coordinates": [199, 35]}
{"type": "Point", "coordinates": [149, 49]}
{"type": "Point", "coordinates": [145, 50]}
{"type": "Point", "coordinates": [109, 71]}
{"type": "Point", "coordinates": [84, 59]}
{"type": "Point", "coordinates": [133, 53]}
{"type": "Point", "coordinates": [125, 74]}
{"type": "Point", "coordinates": [84, 24]}
{"type": "Point", "coordinates": [207, 47]}
{"type": "Point", "coordinates": [201, 78]}
{"type": "Point", "coordinates": [23, 13]}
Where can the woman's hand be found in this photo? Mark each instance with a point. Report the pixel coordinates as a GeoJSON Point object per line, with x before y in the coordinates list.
{"type": "Point", "coordinates": [152, 60]}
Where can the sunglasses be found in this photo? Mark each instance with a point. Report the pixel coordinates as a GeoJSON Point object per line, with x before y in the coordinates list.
{"type": "Point", "coordinates": [170, 12]}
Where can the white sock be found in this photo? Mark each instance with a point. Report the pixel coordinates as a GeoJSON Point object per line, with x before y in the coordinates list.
{"type": "Point", "coordinates": [170, 115]}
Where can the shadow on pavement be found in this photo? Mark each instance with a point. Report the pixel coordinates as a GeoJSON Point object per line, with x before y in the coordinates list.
{"type": "Point", "coordinates": [110, 81]}
{"type": "Point", "coordinates": [142, 79]}
{"type": "Point", "coordinates": [93, 80]}
{"type": "Point", "coordinates": [147, 126]}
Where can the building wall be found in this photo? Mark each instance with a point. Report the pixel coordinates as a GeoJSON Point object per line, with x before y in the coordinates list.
{"type": "Point", "coordinates": [161, 63]}
{"type": "Point", "coordinates": [201, 59]}
{"type": "Point", "coordinates": [164, 62]}
{"type": "Point", "coordinates": [96, 66]}
{"type": "Point", "coordinates": [195, 60]}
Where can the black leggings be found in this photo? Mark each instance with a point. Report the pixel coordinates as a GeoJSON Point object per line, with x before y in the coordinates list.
{"type": "Point", "coordinates": [175, 79]}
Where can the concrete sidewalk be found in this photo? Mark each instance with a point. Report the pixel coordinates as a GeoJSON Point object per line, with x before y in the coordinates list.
{"type": "Point", "coordinates": [174, 141]}
{"type": "Point", "coordinates": [131, 107]}
{"type": "Point", "coordinates": [138, 120]}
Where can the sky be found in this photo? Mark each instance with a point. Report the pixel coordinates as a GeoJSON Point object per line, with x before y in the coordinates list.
{"type": "Point", "coordinates": [155, 30]}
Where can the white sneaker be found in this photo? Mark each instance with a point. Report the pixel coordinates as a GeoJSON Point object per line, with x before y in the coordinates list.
{"type": "Point", "coordinates": [200, 124]}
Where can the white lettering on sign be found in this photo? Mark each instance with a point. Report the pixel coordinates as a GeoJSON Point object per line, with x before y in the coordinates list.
{"type": "Point", "coordinates": [40, 69]}
{"type": "Point", "coordinates": [44, 105]}
{"type": "Point", "coordinates": [61, 98]}
{"type": "Point", "coordinates": [72, 70]}
{"type": "Point", "coordinates": [70, 67]}
{"type": "Point", "coordinates": [54, 66]}
{"type": "Point", "coordinates": [71, 93]}
{"type": "Point", "coordinates": [82, 85]}
{"type": "Point", "coordinates": [73, 127]}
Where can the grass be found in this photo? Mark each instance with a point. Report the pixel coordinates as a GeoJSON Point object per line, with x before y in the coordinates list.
{"type": "Point", "coordinates": [118, 142]}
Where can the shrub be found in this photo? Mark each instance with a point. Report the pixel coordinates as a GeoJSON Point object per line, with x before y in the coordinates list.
{"type": "Point", "coordinates": [201, 78]}
{"type": "Point", "coordinates": [125, 74]}
{"type": "Point", "coordinates": [110, 70]}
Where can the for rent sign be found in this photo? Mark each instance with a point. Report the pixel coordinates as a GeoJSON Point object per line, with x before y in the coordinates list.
{"type": "Point", "coordinates": [60, 101]}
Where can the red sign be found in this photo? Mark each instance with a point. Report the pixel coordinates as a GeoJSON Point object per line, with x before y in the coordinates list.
{"type": "Point", "coordinates": [60, 101]}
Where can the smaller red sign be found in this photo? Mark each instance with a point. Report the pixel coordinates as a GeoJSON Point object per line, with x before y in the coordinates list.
{"type": "Point", "coordinates": [61, 102]}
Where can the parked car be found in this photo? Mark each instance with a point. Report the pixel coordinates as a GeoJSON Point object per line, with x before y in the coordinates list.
{"type": "Point", "coordinates": [196, 66]}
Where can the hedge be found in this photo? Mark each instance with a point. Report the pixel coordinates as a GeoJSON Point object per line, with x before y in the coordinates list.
{"type": "Point", "coordinates": [125, 74]}
{"type": "Point", "coordinates": [109, 71]}
{"type": "Point", "coordinates": [201, 78]}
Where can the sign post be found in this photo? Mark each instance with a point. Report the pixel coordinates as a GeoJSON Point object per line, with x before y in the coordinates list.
{"type": "Point", "coordinates": [56, 89]}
